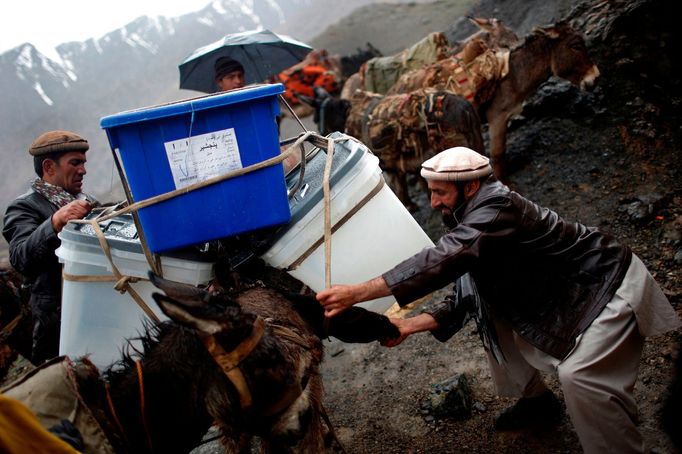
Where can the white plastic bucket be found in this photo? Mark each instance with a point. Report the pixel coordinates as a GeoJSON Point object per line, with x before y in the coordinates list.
{"type": "Point", "coordinates": [96, 319]}
{"type": "Point", "coordinates": [372, 230]}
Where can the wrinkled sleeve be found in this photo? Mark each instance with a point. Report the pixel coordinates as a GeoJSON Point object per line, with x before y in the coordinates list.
{"type": "Point", "coordinates": [31, 240]}
{"type": "Point", "coordinates": [455, 254]}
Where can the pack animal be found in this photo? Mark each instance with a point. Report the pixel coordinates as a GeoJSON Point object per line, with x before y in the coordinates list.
{"type": "Point", "coordinates": [15, 320]}
{"type": "Point", "coordinates": [320, 69]}
{"type": "Point", "coordinates": [402, 130]}
{"type": "Point", "coordinates": [555, 50]}
{"type": "Point", "coordinates": [248, 364]}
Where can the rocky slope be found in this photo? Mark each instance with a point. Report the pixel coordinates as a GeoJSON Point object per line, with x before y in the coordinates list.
{"type": "Point", "coordinates": [610, 158]}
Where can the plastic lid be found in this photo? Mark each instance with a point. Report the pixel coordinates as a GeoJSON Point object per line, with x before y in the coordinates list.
{"type": "Point", "coordinates": [191, 105]}
{"type": "Point", "coordinates": [121, 234]}
{"type": "Point", "coordinates": [346, 156]}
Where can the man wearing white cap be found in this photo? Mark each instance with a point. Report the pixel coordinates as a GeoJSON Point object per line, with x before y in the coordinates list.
{"type": "Point", "coordinates": [549, 295]}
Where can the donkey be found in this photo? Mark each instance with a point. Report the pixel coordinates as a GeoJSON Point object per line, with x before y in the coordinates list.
{"type": "Point", "coordinates": [402, 130]}
{"type": "Point", "coordinates": [15, 319]}
{"type": "Point", "coordinates": [555, 50]}
{"type": "Point", "coordinates": [247, 363]}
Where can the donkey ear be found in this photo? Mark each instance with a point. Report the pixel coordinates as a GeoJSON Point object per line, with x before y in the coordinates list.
{"type": "Point", "coordinates": [553, 31]}
{"type": "Point", "coordinates": [187, 315]}
{"type": "Point", "coordinates": [188, 294]}
{"type": "Point", "coordinates": [482, 23]}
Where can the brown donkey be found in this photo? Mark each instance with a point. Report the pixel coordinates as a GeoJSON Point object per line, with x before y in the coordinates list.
{"type": "Point", "coordinates": [555, 50]}
{"type": "Point", "coordinates": [249, 364]}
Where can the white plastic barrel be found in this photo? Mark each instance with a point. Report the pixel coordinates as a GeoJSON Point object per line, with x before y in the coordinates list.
{"type": "Point", "coordinates": [97, 320]}
{"type": "Point", "coordinates": [372, 230]}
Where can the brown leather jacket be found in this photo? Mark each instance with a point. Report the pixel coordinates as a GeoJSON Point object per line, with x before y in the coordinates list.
{"type": "Point", "coordinates": [547, 277]}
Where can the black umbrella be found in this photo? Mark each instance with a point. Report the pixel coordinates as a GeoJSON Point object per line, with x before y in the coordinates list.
{"type": "Point", "coordinates": [261, 52]}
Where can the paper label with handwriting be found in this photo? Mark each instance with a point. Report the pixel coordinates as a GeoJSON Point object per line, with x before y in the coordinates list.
{"type": "Point", "coordinates": [201, 157]}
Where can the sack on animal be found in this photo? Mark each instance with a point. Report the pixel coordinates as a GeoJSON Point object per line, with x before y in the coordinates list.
{"type": "Point", "coordinates": [382, 72]}
{"type": "Point", "coordinates": [474, 79]}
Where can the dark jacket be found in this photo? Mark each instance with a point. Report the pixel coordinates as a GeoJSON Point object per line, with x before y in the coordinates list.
{"type": "Point", "coordinates": [547, 277]}
{"type": "Point", "coordinates": [32, 243]}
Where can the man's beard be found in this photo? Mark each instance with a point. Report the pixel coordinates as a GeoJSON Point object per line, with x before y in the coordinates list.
{"type": "Point", "coordinates": [448, 218]}
{"type": "Point", "coordinates": [448, 214]}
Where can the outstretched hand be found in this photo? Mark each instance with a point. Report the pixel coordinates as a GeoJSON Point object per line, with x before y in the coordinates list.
{"type": "Point", "coordinates": [407, 326]}
{"type": "Point", "coordinates": [404, 333]}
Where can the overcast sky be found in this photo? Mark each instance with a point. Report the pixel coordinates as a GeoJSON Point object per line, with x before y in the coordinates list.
{"type": "Point", "coordinates": [48, 23]}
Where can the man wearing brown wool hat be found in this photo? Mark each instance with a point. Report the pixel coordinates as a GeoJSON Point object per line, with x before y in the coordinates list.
{"type": "Point", "coordinates": [547, 295]}
{"type": "Point", "coordinates": [31, 224]}
{"type": "Point", "coordinates": [229, 74]}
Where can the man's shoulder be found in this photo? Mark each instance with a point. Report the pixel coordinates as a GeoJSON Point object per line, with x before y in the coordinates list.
{"type": "Point", "coordinates": [31, 200]}
{"type": "Point", "coordinates": [492, 190]}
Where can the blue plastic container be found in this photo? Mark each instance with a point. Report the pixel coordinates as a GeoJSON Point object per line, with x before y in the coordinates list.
{"type": "Point", "coordinates": [174, 145]}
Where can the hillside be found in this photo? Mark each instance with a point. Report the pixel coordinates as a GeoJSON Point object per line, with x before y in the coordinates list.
{"type": "Point", "coordinates": [610, 158]}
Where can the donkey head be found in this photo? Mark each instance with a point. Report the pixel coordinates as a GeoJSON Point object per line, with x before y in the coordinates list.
{"type": "Point", "coordinates": [495, 33]}
{"type": "Point", "coordinates": [570, 58]}
{"type": "Point", "coordinates": [206, 313]}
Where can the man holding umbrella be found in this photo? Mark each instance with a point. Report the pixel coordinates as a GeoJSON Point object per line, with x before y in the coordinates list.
{"type": "Point", "coordinates": [258, 53]}
{"type": "Point", "coordinates": [229, 74]}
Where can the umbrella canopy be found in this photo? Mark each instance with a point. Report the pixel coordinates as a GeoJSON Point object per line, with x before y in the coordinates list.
{"type": "Point", "coordinates": [261, 52]}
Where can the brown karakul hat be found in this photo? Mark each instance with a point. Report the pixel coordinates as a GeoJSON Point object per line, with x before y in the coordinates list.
{"type": "Point", "coordinates": [456, 164]}
{"type": "Point", "coordinates": [57, 142]}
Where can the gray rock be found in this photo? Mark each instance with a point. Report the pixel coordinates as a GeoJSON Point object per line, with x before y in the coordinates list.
{"type": "Point", "coordinates": [451, 398]}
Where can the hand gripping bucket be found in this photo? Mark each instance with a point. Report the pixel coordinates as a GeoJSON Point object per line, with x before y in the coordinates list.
{"type": "Point", "coordinates": [372, 230]}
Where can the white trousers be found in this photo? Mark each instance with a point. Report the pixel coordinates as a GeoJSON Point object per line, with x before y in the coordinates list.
{"type": "Point", "coordinates": [598, 376]}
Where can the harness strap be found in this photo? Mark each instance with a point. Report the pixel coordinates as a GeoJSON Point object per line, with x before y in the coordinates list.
{"type": "Point", "coordinates": [7, 330]}
{"type": "Point", "coordinates": [328, 421]}
{"type": "Point", "coordinates": [112, 410]}
{"type": "Point", "coordinates": [338, 224]}
{"type": "Point", "coordinates": [140, 380]}
{"type": "Point", "coordinates": [229, 362]}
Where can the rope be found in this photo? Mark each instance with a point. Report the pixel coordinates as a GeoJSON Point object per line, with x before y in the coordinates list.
{"type": "Point", "coordinates": [123, 282]}
{"type": "Point", "coordinates": [112, 409]}
{"type": "Point", "coordinates": [140, 380]}
{"type": "Point", "coordinates": [370, 195]}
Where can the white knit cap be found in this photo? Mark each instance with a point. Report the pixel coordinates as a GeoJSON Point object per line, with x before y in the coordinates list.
{"type": "Point", "coordinates": [456, 164]}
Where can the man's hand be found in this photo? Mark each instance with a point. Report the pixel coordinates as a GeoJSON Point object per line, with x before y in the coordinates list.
{"type": "Point", "coordinates": [77, 209]}
{"type": "Point", "coordinates": [407, 326]}
{"type": "Point", "coordinates": [402, 327]}
{"type": "Point", "coordinates": [338, 298]}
